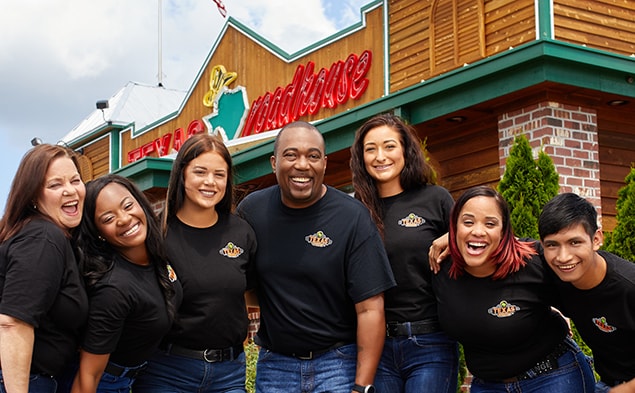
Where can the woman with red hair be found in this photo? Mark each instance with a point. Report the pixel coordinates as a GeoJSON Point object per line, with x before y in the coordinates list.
{"type": "Point", "coordinates": [495, 298]}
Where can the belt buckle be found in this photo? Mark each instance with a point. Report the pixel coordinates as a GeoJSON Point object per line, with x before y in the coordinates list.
{"type": "Point", "coordinates": [215, 355]}
{"type": "Point", "coordinates": [309, 356]}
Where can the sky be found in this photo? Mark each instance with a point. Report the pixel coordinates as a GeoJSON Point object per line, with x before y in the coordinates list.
{"type": "Point", "coordinates": [59, 57]}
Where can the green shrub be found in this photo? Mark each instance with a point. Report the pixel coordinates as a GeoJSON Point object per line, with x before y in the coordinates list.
{"type": "Point", "coordinates": [622, 242]}
{"type": "Point", "coordinates": [462, 369]}
{"type": "Point", "coordinates": [527, 185]}
{"type": "Point", "coordinates": [251, 358]}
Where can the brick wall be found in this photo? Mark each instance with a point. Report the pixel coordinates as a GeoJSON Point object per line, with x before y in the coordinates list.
{"type": "Point", "coordinates": [158, 206]}
{"type": "Point", "coordinates": [568, 134]}
{"type": "Point", "coordinates": [253, 313]}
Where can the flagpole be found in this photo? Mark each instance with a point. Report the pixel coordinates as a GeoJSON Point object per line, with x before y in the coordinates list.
{"type": "Point", "coordinates": [160, 43]}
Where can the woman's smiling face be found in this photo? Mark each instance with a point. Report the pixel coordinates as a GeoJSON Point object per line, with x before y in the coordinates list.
{"type": "Point", "coordinates": [384, 158]}
{"type": "Point", "coordinates": [120, 220]}
{"type": "Point", "coordinates": [478, 234]}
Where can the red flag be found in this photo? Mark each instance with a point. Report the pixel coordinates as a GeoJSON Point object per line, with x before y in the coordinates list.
{"type": "Point", "coordinates": [221, 7]}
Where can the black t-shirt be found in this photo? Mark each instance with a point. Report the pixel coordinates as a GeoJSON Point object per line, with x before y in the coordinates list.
{"type": "Point", "coordinates": [212, 266]}
{"type": "Point", "coordinates": [605, 318]}
{"type": "Point", "coordinates": [412, 220]}
{"type": "Point", "coordinates": [128, 315]}
{"type": "Point", "coordinates": [506, 326]}
{"type": "Point", "coordinates": [40, 285]}
{"type": "Point", "coordinates": [312, 266]}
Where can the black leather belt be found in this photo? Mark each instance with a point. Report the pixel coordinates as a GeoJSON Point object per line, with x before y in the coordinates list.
{"type": "Point", "coordinates": [119, 371]}
{"type": "Point", "coordinates": [208, 355]}
{"type": "Point", "coordinates": [394, 329]}
{"type": "Point", "coordinates": [310, 355]}
{"type": "Point", "coordinates": [547, 364]}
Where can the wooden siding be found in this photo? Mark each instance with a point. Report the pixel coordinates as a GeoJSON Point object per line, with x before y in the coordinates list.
{"type": "Point", "coordinates": [508, 23]}
{"type": "Point", "coordinates": [261, 71]}
{"type": "Point", "coordinates": [616, 139]}
{"type": "Point", "coordinates": [428, 38]}
{"type": "Point", "coordinates": [603, 24]}
{"type": "Point", "coordinates": [464, 155]}
{"type": "Point", "coordinates": [431, 37]}
{"type": "Point", "coordinates": [98, 152]}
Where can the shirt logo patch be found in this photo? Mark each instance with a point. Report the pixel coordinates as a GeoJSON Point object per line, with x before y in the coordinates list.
{"type": "Point", "coordinates": [171, 274]}
{"type": "Point", "coordinates": [603, 325]}
{"type": "Point", "coordinates": [503, 309]}
{"type": "Point", "coordinates": [231, 251]}
{"type": "Point", "coordinates": [319, 239]}
{"type": "Point", "coordinates": [412, 221]}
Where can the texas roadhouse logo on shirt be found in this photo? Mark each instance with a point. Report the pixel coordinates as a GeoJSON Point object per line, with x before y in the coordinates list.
{"type": "Point", "coordinates": [319, 239]}
{"type": "Point", "coordinates": [604, 326]}
{"type": "Point", "coordinates": [411, 221]}
{"type": "Point", "coordinates": [503, 309]}
{"type": "Point", "coordinates": [171, 274]}
{"type": "Point", "coordinates": [231, 251]}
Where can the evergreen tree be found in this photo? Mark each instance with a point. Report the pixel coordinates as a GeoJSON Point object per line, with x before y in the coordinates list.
{"type": "Point", "coordinates": [622, 242]}
{"type": "Point", "coordinates": [527, 185]}
{"type": "Point", "coordinates": [550, 178]}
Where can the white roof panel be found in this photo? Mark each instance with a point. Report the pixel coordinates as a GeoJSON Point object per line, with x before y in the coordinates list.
{"type": "Point", "coordinates": [134, 103]}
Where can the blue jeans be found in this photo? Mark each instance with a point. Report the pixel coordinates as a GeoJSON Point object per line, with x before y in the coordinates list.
{"type": "Point", "coordinates": [573, 375]}
{"type": "Point", "coordinates": [169, 373]}
{"type": "Point", "coordinates": [37, 384]}
{"type": "Point", "coordinates": [117, 384]}
{"type": "Point", "coordinates": [333, 372]}
{"type": "Point", "coordinates": [409, 363]}
{"type": "Point", "coordinates": [601, 387]}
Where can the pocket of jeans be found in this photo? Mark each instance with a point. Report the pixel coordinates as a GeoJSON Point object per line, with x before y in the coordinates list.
{"type": "Point", "coordinates": [241, 359]}
{"type": "Point", "coordinates": [438, 339]}
{"type": "Point", "coordinates": [109, 378]}
{"type": "Point", "coordinates": [348, 351]}
{"type": "Point", "coordinates": [264, 354]}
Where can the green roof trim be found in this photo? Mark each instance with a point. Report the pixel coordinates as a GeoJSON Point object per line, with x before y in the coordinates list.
{"type": "Point", "coordinates": [289, 57]}
{"type": "Point", "coordinates": [513, 70]}
{"type": "Point", "coordinates": [148, 172]}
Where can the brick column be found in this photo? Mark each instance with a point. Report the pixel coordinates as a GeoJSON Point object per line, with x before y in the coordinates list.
{"type": "Point", "coordinates": [568, 134]}
{"type": "Point", "coordinates": [158, 206]}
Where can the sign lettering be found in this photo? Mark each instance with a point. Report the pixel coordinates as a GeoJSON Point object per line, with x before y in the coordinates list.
{"type": "Point", "coordinates": [161, 145]}
{"type": "Point", "coordinates": [309, 92]}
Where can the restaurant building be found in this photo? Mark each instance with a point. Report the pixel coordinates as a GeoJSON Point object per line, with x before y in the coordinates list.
{"type": "Point", "coordinates": [469, 75]}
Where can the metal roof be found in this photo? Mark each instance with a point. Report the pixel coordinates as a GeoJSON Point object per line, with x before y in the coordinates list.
{"type": "Point", "coordinates": [134, 103]}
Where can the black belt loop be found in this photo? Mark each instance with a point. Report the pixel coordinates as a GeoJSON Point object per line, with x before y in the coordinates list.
{"type": "Point", "coordinates": [396, 329]}
{"type": "Point", "coordinates": [310, 355]}
{"type": "Point", "coordinates": [208, 355]}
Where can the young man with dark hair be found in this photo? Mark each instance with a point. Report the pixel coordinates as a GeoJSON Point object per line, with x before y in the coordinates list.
{"type": "Point", "coordinates": [597, 288]}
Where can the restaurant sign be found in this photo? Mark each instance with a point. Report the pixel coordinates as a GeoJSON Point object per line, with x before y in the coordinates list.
{"type": "Point", "coordinates": [233, 118]}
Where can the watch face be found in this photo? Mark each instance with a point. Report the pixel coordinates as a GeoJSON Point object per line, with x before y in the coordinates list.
{"type": "Point", "coordinates": [369, 389]}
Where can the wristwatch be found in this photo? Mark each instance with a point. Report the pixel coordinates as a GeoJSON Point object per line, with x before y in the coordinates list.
{"type": "Point", "coordinates": [364, 389]}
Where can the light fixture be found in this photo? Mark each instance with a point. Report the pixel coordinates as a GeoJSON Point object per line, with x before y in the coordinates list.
{"type": "Point", "coordinates": [101, 105]}
{"type": "Point", "coordinates": [617, 102]}
{"type": "Point", "coordinates": [36, 141]}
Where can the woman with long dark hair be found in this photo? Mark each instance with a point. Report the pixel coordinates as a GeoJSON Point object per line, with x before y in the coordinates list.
{"type": "Point", "coordinates": [211, 250]}
{"type": "Point", "coordinates": [132, 289]}
{"type": "Point", "coordinates": [392, 178]}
